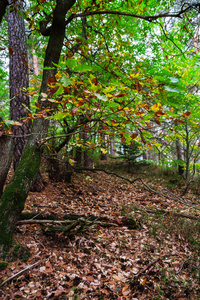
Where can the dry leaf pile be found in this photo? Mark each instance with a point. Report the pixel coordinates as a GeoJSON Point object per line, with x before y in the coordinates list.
{"type": "Point", "coordinates": [155, 261]}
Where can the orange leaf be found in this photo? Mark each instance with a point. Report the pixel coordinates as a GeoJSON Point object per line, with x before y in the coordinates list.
{"type": "Point", "coordinates": [186, 114]}
{"type": "Point", "coordinates": [144, 281]}
{"type": "Point", "coordinates": [94, 80]}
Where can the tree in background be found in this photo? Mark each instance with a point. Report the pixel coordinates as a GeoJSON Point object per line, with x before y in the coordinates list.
{"type": "Point", "coordinates": [19, 77]}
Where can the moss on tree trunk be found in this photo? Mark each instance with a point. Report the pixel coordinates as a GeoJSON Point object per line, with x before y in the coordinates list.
{"type": "Point", "coordinates": [15, 194]}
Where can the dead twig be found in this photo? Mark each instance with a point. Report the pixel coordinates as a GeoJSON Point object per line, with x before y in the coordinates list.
{"type": "Point", "coordinates": [147, 267]}
{"type": "Point", "coordinates": [19, 273]}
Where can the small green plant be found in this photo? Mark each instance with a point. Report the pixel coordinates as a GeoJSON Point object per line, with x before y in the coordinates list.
{"type": "Point", "coordinates": [20, 252]}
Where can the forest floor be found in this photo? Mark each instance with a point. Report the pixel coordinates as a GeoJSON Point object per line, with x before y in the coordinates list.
{"type": "Point", "coordinates": [160, 259]}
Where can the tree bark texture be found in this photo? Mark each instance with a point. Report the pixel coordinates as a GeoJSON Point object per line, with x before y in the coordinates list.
{"type": "Point", "coordinates": [5, 158]}
{"type": "Point", "coordinates": [15, 194]}
{"type": "Point", "coordinates": [19, 78]}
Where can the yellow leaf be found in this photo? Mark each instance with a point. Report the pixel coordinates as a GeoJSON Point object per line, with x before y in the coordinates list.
{"type": "Point", "coordinates": [156, 107]}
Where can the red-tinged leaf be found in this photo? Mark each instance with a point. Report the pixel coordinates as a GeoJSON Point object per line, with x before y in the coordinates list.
{"type": "Point", "coordinates": [51, 80]}
{"type": "Point", "coordinates": [186, 114]}
{"type": "Point", "coordinates": [160, 113]}
{"type": "Point", "coordinates": [38, 105]}
{"type": "Point", "coordinates": [70, 54]}
{"type": "Point", "coordinates": [66, 89]}
{"type": "Point", "coordinates": [123, 139]}
{"type": "Point", "coordinates": [94, 80]}
{"type": "Point", "coordinates": [81, 103]}
{"type": "Point", "coordinates": [79, 41]}
{"type": "Point", "coordinates": [138, 86]}
{"type": "Point", "coordinates": [54, 90]}
{"type": "Point", "coordinates": [24, 61]}
{"type": "Point", "coordinates": [112, 109]}
{"type": "Point", "coordinates": [88, 117]}
{"type": "Point", "coordinates": [120, 95]}
{"type": "Point", "coordinates": [134, 135]}
{"type": "Point", "coordinates": [11, 51]}
{"type": "Point", "coordinates": [31, 116]}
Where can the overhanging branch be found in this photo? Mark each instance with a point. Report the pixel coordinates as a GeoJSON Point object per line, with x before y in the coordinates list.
{"type": "Point", "coordinates": [177, 14]}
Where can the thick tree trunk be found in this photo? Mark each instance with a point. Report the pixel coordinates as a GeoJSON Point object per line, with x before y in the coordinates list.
{"type": "Point", "coordinates": [14, 197]}
{"type": "Point", "coordinates": [19, 78]}
{"type": "Point", "coordinates": [5, 158]}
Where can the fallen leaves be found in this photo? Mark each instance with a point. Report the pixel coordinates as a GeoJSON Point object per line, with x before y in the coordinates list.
{"type": "Point", "coordinates": [104, 263]}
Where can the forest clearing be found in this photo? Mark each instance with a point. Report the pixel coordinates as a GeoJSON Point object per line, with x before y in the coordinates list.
{"type": "Point", "coordinates": [155, 255]}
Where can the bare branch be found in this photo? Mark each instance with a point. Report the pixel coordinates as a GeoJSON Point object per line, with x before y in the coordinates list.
{"type": "Point", "coordinates": [177, 14]}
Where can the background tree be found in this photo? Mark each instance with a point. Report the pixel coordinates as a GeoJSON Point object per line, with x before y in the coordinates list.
{"type": "Point", "coordinates": [19, 77]}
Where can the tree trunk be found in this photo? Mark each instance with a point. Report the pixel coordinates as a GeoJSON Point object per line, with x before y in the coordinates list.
{"type": "Point", "coordinates": [5, 158]}
{"type": "Point", "coordinates": [19, 79]}
{"type": "Point", "coordinates": [179, 157]}
{"type": "Point", "coordinates": [15, 194]}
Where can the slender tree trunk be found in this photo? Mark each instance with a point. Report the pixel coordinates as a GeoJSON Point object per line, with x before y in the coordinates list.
{"type": "Point", "coordinates": [19, 79]}
{"type": "Point", "coordinates": [179, 157]}
{"type": "Point", "coordinates": [187, 152]}
{"type": "Point", "coordinates": [15, 194]}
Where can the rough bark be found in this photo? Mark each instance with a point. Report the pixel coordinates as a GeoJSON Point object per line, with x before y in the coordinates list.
{"type": "Point", "coordinates": [18, 77]}
{"type": "Point", "coordinates": [5, 158]}
{"type": "Point", "coordinates": [14, 197]}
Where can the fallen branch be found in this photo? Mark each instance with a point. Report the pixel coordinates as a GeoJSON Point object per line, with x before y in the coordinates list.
{"type": "Point", "coordinates": [81, 222]}
{"type": "Point", "coordinates": [147, 267]}
{"type": "Point", "coordinates": [19, 273]}
{"type": "Point", "coordinates": [172, 197]}
{"type": "Point", "coordinates": [172, 213]}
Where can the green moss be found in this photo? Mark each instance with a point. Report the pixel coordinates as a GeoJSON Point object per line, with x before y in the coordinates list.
{"type": "Point", "coordinates": [15, 194]}
{"type": "Point", "coordinates": [3, 265]}
{"type": "Point", "coordinates": [19, 252]}
{"type": "Point", "coordinates": [130, 223]}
